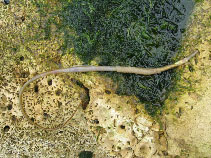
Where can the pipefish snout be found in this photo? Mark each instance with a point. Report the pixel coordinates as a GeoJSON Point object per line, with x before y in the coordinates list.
{"type": "Point", "coordinates": [121, 69]}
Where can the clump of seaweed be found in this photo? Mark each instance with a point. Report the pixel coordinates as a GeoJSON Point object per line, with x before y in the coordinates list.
{"type": "Point", "coordinates": [135, 33]}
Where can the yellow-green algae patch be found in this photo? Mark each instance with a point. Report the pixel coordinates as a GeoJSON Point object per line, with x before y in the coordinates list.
{"type": "Point", "coordinates": [188, 113]}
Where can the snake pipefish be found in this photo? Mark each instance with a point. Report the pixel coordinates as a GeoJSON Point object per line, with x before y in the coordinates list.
{"type": "Point", "coordinates": [121, 69]}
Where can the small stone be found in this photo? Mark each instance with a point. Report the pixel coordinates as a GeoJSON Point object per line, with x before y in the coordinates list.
{"type": "Point", "coordinates": [6, 128]}
{"type": "Point", "coordinates": [6, 2]}
{"type": "Point", "coordinates": [86, 154]}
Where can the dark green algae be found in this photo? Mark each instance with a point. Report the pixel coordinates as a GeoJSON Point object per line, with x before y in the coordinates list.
{"type": "Point", "coordinates": [140, 33]}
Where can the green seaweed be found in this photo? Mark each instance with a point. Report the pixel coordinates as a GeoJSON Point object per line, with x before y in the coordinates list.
{"type": "Point", "coordinates": [144, 33]}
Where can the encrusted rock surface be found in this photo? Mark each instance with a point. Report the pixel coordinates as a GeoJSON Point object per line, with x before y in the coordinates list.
{"type": "Point", "coordinates": [119, 128]}
{"type": "Point", "coordinates": [106, 124]}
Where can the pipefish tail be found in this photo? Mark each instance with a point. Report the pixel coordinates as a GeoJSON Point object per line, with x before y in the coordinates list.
{"type": "Point", "coordinates": [121, 69]}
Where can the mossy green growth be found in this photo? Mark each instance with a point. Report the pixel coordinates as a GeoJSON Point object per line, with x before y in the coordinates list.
{"type": "Point", "coordinates": [144, 33]}
{"type": "Point", "coordinates": [198, 1]}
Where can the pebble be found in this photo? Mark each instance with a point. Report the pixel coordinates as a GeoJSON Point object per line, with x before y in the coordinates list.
{"type": "Point", "coordinates": [6, 2]}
